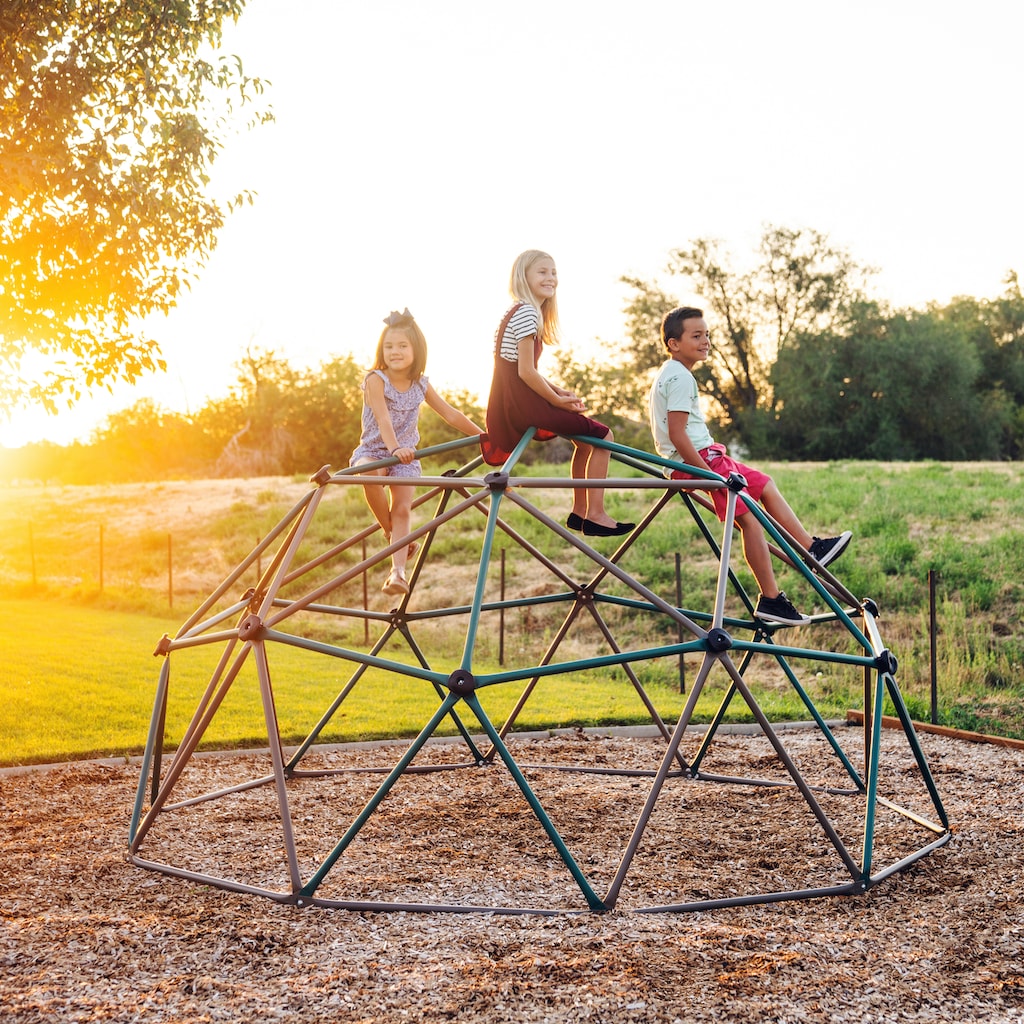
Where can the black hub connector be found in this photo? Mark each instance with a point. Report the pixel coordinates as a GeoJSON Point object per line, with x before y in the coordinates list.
{"type": "Point", "coordinates": [886, 662]}
{"type": "Point", "coordinates": [718, 640]}
{"type": "Point", "coordinates": [462, 682]}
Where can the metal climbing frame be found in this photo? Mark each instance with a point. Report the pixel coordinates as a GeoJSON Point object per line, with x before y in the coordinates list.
{"type": "Point", "coordinates": [270, 616]}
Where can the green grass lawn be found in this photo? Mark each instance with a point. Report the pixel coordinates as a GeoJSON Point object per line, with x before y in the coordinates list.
{"type": "Point", "coordinates": [84, 599]}
{"type": "Point", "coordinates": [80, 682]}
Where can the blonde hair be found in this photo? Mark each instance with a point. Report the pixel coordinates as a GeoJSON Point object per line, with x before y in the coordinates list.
{"type": "Point", "coordinates": [520, 290]}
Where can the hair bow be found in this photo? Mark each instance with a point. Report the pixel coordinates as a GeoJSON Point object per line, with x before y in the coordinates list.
{"type": "Point", "coordinates": [394, 317]}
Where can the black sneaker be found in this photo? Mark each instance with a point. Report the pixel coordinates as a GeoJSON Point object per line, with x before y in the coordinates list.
{"type": "Point", "coordinates": [827, 549]}
{"type": "Point", "coordinates": [779, 609]}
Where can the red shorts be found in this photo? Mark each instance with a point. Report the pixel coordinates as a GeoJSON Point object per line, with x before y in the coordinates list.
{"type": "Point", "coordinates": [717, 461]}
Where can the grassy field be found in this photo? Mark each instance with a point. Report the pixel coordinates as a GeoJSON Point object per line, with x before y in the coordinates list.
{"type": "Point", "coordinates": [80, 682]}
{"type": "Point", "coordinates": [91, 578]}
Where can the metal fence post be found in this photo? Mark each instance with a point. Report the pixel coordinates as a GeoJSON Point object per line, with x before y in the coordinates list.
{"type": "Point", "coordinates": [932, 630]}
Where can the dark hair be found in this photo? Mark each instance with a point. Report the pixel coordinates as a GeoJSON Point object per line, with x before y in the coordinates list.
{"type": "Point", "coordinates": [405, 323]}
{"type": "Point", "coordinates": [672, 322]}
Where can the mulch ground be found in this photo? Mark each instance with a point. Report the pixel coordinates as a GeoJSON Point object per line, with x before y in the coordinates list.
{"type": "Point", "coordinates": [88, 936]}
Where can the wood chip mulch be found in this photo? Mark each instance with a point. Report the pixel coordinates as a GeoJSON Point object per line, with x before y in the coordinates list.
{"type": "Point", "coordinates": [87, 936]}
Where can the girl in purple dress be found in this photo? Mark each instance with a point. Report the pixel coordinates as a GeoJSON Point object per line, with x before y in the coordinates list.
{"type": "Point", "coordinates": [392, 394]}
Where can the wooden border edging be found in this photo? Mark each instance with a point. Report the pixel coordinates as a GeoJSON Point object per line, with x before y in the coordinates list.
{"type": "Point", "coordinates": [888, 722]}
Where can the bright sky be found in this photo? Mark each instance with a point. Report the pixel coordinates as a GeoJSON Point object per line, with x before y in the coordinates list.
{"type": "Point", "coordinates": [419, 147]}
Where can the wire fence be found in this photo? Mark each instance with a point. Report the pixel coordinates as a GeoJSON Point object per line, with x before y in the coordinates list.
{"type": "Point", "coordinates": [113, 563]}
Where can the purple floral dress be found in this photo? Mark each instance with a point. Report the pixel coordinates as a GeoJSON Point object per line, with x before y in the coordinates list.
{"type": "Point", "coordinates": [404, 409]}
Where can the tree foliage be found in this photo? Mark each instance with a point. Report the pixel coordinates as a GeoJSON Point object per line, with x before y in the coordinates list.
{"type": "Point", "coordinates": [111, 115]}
{"type": "Point", "coordinates": [614, 391]}
{"type": "Point", "coordinates": [942, 383]}
{"type": "Point", "coordinates": [996, 330]}
{"type": "Point", "coordinates": [902, 386]}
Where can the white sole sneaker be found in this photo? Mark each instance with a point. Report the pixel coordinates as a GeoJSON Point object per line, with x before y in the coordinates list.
{"type": "Point", "coordinates": [841, 544]}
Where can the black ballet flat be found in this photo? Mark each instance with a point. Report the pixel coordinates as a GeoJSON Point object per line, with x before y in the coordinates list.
{"type": "Point", "coordinates": [592, 529]}
{"type": "Point", "coordinates": [574, 522]}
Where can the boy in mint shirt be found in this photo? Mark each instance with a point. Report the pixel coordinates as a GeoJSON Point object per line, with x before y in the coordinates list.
{"type": "Point", "coordinates": [681, 435]}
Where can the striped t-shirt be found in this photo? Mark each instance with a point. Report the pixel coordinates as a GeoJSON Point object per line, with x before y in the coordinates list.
{"type": "Point", "coordinates": [525, 323]}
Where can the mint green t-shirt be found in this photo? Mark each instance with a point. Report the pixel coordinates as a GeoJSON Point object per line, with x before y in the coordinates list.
{"type": "Point", "coordinates": [675, 390]}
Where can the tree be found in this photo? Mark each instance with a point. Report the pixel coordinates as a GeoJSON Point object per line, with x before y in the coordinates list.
{"type": "Point", "coordinates": [277, 419]}
{"type": "Point", "coordinates": [111, 116]}
{"type": "Point", "coordinates": [326, 415]}
{"type": "Point", "coordinates": [897, 386]}
{"type": "Point", "coordinates": [800, 283]}
{"type": "Point", "coordinates": [615, 393]}
{"type": "Point", "coordinates": [434, 430]}
{"type": "Point", "coordinates": [996, 329]}
{"type": "Point", "coordinates": [260, 412]}
{"type": "Point", "coordinates": [142, 442]}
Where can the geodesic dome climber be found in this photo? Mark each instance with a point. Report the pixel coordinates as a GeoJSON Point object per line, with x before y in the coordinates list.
{"type": "Point", "coordinates": [476, 812]}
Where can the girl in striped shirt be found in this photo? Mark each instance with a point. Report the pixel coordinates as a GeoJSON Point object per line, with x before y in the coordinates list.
{"type": "Point", "coordinates": [522, 398]}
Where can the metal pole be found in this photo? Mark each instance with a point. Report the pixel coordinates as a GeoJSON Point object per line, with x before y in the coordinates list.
{"type": "Point", "coordinates": [366, 602]}
{"type": "Point", "coordinates": [501, 614]}
{"type": "Point", "coordinates": [679, 625]}
{"type": "Point", "coordinates": [932, 629]}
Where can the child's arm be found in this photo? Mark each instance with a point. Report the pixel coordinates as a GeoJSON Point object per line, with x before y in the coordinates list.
{"type": "Point", "coordinates": [681, 439]}
{"type": "Point", "coordinates": [450, 414]}
{"type": "Point", "coordinates": [379, 407]}
{"type": "Point", "coordinates": [532, 378]}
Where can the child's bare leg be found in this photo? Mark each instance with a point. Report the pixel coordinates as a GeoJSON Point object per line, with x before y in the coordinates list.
{"type": "Point", "coordinates": [401, 523]}
{"type": "Point", "coordinates": [578, 470]}
{"type": "Point", "coordinates": [757, 555]}
{"type": "Point", "coordinates": [779, 509]}
{"type": "Point", "coordinates": [595, 468]}
{"type": "Point", "coordinates": [377, 499]}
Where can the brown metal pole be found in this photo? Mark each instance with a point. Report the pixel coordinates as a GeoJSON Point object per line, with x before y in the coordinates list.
{"type": "Point", "coordinates": [679, 625]}
{"type": "Point", "coordinates": [366, 601]}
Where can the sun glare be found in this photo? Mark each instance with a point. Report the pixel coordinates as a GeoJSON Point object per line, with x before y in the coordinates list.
{"type": "Point", "coordinates": [28, 425]}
